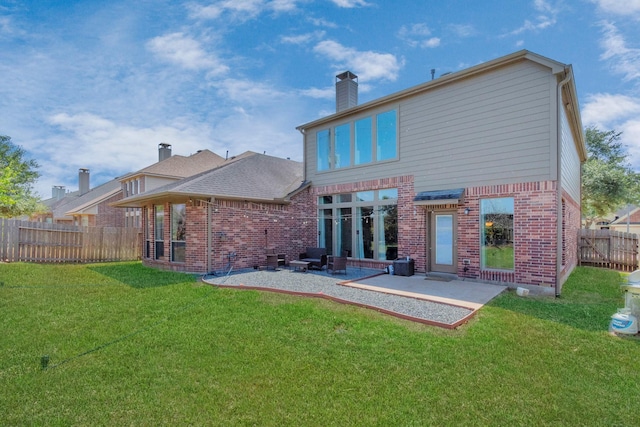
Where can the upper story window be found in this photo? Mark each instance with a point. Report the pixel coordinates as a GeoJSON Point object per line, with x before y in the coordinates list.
{"type": "Point", "coordinates": [343, 146]}
{"type": "Point", "coordinates": [358, 142]}
{"type": "Point", "coordinates": [323, 144]}
{"type": "Point", "coordinates": [386, 136]}
{"type": "Point", "coordinates": [363, 141]}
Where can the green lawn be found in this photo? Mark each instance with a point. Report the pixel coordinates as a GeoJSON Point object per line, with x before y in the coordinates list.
{"type": "Point", "coordinates": [135, 346]}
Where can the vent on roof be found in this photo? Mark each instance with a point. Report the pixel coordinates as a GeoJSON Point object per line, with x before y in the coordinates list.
{"type": "Point", "coordinates": [346, 91]}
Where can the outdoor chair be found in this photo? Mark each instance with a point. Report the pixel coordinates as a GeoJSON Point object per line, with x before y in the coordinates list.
{"type": "Point", "coordinates": [337, 263]}
{"type": "Point", "coordinates": [275, 260]}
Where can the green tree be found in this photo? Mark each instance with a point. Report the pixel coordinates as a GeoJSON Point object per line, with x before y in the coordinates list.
{"type": "Point", "coordinates": [17, 175]}
{"type": "Point", "coordinates": [608, 181]}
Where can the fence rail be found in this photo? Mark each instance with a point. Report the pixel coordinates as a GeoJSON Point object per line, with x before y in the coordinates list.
{"type": "Point", "coordinates": [608, 249]}
{"type": "Point", "coordinates": [50, 243]}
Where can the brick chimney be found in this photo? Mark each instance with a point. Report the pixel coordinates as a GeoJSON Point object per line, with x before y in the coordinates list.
{"type": "Point", "coordinates": [164, 151]}
{"type": "Point", "coordinates": [346, 91]}
{"type": "Point", "coordinates": [83, 181]}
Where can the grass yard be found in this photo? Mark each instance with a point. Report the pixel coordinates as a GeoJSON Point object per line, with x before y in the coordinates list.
{"type": "Point", "coordinates": [135, 346]}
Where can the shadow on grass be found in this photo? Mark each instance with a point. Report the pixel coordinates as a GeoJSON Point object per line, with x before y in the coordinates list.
{"type": "Point", "coordinates": [138, 276]}
{"type": "Point", "coordinates": [589, 298]}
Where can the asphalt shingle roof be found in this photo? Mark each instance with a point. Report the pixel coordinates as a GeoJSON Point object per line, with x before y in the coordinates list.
{"type": "Point", "coordinates": [256, 177]}
{"type": "Point", "coordinates": [181, 166]}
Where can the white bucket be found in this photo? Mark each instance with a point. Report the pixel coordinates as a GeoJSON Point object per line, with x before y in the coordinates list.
{"type": "Point", "coordinates": [624, 322]}
{"type": "Point", "coordinates": [522, 292]}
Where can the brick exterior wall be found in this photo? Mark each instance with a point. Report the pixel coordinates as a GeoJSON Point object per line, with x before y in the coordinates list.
{"type": "Point", "coordinates": [535, 233]}
{"type": "Point", "coordinates": [248, 229]}
{"type": "Point", "coordinates": [109, 216]}
{"type": "Point", "coordinates": [245, 229]}
{"type": "Point", "coordinates": [634, 218]}
{"type": "Point", "coordinates": [571, 224]}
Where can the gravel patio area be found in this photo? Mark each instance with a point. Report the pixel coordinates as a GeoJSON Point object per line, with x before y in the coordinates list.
{"type": "Point", "coordinates": [321, 284]}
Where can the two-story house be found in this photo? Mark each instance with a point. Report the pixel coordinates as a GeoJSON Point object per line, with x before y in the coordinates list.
{"type": "Point", "coordinates": [476, 173]}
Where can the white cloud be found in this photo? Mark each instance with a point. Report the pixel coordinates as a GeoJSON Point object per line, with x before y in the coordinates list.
{"type": "Point", "coordinates": [247, 92]}
{"type": "Point", "coordinates": [631, 138]}
{"type": "Point", "coordinates": [432, 42]}
{"type": "Point", "coordinates": [546, 18]}
{"type": "Point", "coordinates": [603, 109]}
{"type": "Point", "coordinates": [321, 22]}
{"type": "Point", "coordinates": [284, 5]}
{"type": "Point", "coordinates": [368, 65]}
{"type": "Point", "coordinates": [326, 93]}
{"type": "Point", "coordinates": [625, 60]}
{"type": "Point", "coordinates": [616, 112]}
{"type": "Point", "coordinates": [619, 7]}
{"type": "Point", "coordinates": [237, 8]}
{"type": "Point", "coordinates": [241, 10]}
{"type": "Point", "coordinates": [302, 38]}
{"type": "Point", "coordinates": [86, 140]}
{"type": "Point", "coordinates": [351, 3]}
{"type": "Point", "coordinates": [418, 35]}
{"type": "Point", "coordinates": [5, 25]}
{"type": "Point", "coordinates": [186, 52]}
{"type": "Point", "coordinates": [462, 30]}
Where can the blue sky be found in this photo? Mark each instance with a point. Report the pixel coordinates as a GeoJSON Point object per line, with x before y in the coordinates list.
{"type": "Point", "coordinates": [99, 84]}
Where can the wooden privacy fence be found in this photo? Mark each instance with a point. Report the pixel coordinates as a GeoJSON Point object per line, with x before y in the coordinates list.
{"type": "Point", "coordinates": [608, 249]}
{"type": "Point", "coordinates": [42, 242]}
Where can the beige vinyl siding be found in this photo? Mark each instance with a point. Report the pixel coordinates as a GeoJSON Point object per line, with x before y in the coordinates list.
{"type": "Point", "coordinates": [488, 129]}
{"type": "Point", "coordinates": [570, 160]}
{"type": "Point", "coordinates": [155, 182]}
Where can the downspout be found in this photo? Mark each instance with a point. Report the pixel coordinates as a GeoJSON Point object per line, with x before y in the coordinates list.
{"type": "Point", "coordinates": [209, 232]}
{"type": "Point", "coordinates": [303, 132]}
{"type": "Point", "coordinates": [559, 229]}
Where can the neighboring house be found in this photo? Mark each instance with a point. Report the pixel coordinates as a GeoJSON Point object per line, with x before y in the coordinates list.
{"type": "Point", "coordinates": [475, 174]}
{"type": "Point", "coordinates": [230, 214]}
{"type": "Point", "coordinates": [92, 207]}
{"type": "Point", "coordinates": [85, 207]}
{"type": "Point", "coordinates": [169, 168]}
{"type": "Point", "coordinates": [626, 220]}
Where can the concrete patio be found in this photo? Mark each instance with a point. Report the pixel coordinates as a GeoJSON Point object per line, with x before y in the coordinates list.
{"type": "Point", "coordinates": [441, 289]}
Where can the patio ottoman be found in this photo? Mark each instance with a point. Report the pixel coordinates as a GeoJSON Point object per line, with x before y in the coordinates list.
{"type": "Point", "coordinates": [403, 267]}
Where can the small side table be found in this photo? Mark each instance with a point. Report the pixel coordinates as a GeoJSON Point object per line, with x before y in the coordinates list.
{"type": "Point", "coordinates": [299, 265]}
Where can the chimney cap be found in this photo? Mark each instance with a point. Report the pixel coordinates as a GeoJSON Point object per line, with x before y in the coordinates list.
{"type": "Point", "coordinates": [164, 145]}
{"type": "Point", "coordinates": [346, 75]}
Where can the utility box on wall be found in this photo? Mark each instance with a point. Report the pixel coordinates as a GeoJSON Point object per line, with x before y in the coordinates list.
{"type": "Point", "coordinates": [403, 267]}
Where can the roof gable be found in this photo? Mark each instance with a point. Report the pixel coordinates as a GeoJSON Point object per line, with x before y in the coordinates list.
{"type": "Point", "coordinates": [180, 166]}
{"type": "Point", "coordinates": [254, 177]}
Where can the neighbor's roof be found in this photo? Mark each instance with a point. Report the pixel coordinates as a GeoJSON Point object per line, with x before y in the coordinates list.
{"type": "Point", "coordinates": [180, 166]}
{"type": "Point", "coordinates": [74, 203]}
{"type": "Point", "coordinates": [257, 177]}
{"type": "Point", "coordinates": [93, 197]}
